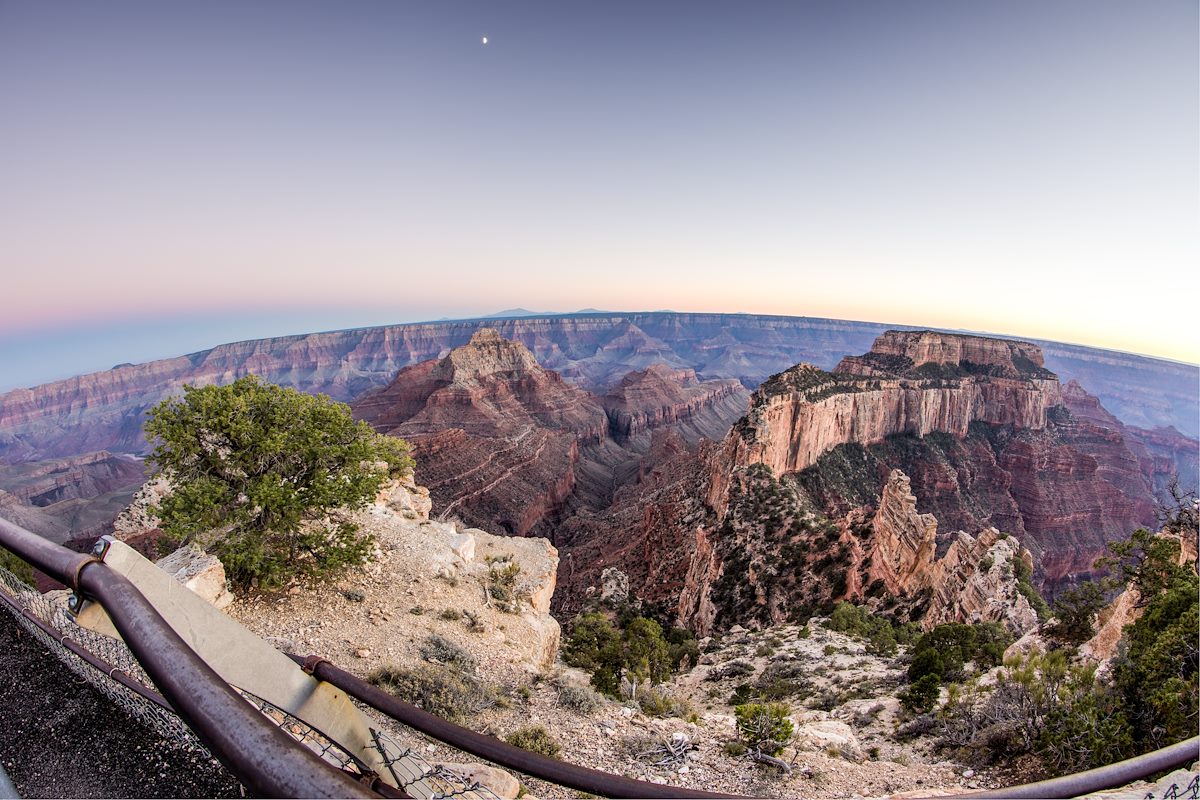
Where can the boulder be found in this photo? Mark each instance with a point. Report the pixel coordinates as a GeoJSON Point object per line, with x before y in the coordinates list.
{"type": "Point", "coordinates": [199, 571]}
{"type": "Point", "coordinates": [498, 781]}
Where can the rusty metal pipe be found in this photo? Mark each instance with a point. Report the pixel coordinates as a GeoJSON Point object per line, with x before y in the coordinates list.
{"type": "Point", "coordinates": [1120, 773]}
{"type": "Point", "coordinates": [490, 748]}
{"type": "Point", "coordinates": [260, 755]}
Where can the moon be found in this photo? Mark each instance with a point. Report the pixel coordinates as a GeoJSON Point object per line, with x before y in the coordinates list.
{"type": "Point", "coordinates": [483, 40]}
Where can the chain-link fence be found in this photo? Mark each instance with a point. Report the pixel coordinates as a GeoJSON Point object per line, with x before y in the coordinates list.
{"type": "Point", "coordinates": [109, 665]}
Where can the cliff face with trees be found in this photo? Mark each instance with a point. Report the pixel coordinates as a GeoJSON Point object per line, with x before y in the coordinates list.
{"type": "Point", "coordinates": [786, 515]}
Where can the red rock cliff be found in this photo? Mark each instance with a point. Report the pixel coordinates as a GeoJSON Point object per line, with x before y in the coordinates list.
{"type": "Point", "coordinates": [904, 385]}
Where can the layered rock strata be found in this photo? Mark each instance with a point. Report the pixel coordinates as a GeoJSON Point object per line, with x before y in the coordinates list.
{"type": "Point", "coordinates": [496, 437]}
{"type": "Point", "coordinates": [975, 581]}
{"type": "Point", "coordinates": [987, 442]}
{"type": "Point", "coordinates": [104, 410]}
{"type": "Point", "coordinates": [660, 397]}
{"type": "Point", "coordinates": [804, 412]}
{"type": "Point", "coordinates": [508, 445]}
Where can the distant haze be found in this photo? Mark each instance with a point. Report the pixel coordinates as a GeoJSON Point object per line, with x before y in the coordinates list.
{"type": "Point", "coordinates": [174, 176]}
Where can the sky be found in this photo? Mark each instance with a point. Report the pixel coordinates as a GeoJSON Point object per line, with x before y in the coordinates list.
{"type": "Point", "coordinates": [178, 175]}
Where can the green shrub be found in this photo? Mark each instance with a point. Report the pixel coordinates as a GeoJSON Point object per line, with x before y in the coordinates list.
{"type": "Point", "coordinates": [1027, 590]}
{"type": "Point", "coordinates": [946, 649]}
{"type": "Point", "coordinates": [1157, 678]}
{"type": "Point", "coordinates": [683, 649]}
{"type": "Point", "coordinates": [256, 471]}
{"type": "Point", "coordinates": [443, 651]}
{"type": "Point", "coordinates": [502, 582]}
{"type": "Point", "coordinates": [783, 679]}
{"type": "Point", "coordinates": [580, 699]}
{"type": "Point", "coordinates": [660, 704]}
{"type": "Point", "coordinates": [764, 727]}
{"type": "Point", "coordinates": [442, 691]}
{"type": "Point", "coordinates": [638, 653]}
{"type": "Point", "coordinates": [878, 632]}
{"type": "Point", "coordinates": [17, 566]}
{"type": "Point", "coordinates": [738, 668]}
{"type": "Point", "coordinates": [1074, 610]}
{"type": "Point", "coordinates": [535, 739]}
{"type": "Point", "coordinates": [921, 696]}
{"type": "Point", "coordinates": [735, 748]}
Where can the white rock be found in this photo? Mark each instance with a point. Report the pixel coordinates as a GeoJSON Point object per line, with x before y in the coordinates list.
{"type": "Point", "coordinates": [463, 546]}
{"type": "Point", "coordinates": [498, 781]}
{"type": "Point", "coordinates": [202, 573]}
{"type": "Point", "coordinates": [614, 585]}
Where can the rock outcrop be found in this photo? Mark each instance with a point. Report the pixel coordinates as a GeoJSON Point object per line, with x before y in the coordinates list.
{"type": "Point", "coordinates": [987, 442]}
{"type": "Point", "coordinates": [734, 532]}
{"type": "Point", "coordinates": [1127, 608]}
{"type": "Point", "coordinates": [199, 571]}
{"type": "Point", "coordinates": [105, 410]}
{"type": "Point", "coordinates": [496, 437]}
{"type": "Point", "coordinates": [975, 581]}
{"type": "Point", "coordinates": [506, 445]}
{"type": "Point", "coordinates": [429, 578]}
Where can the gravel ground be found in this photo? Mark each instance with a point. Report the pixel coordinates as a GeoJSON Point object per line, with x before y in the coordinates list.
{"type": "Point", "coordinates": [59, 737]}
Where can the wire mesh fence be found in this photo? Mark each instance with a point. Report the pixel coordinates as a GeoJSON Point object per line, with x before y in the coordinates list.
{"type": "Point", "coordinates": [109, 665]}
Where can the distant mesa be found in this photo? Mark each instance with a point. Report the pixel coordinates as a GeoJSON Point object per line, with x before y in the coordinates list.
{"type": "Point", "coordinates": [517, 313]}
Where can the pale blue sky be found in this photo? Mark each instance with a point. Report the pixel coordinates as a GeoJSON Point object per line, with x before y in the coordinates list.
{"type": "Point", "coordinates": [204, 172]}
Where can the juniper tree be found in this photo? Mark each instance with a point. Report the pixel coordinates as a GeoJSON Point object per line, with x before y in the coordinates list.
{"type": "Point", "coordinates": [258, 472]}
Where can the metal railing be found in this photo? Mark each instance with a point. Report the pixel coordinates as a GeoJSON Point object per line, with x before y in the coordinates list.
{"type": "Point", "coordinates": [274, 754]}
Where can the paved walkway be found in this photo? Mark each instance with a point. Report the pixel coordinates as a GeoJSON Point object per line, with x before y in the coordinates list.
{"type": "Point", "coordinates": [62, 738]}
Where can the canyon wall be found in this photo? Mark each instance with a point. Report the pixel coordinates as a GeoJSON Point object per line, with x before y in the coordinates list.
{"type": "Point", "coordinates": [776, 521]}
{"type": "Point", "coordinates": [105, 410]}
{"type": "Point", "coordinates": [509, 446]}
{"type": "Point", "coordinates": [790, 431]}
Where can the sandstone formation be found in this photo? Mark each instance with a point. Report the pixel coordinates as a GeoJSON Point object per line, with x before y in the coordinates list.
{"type": "Point", "coordinates": [1161, 454]}
{"type": "Point", "coordinates": [504, 444]}
{"type": "Point", "coordinates": [975, 581]}
{"type": "Point", "coordinates": [905, 541]}
{"type": "Point", "coordinates": [898, 388]}
{"type": "Point", "coordinates": [496, 437]}
{"type": "Point", "coordinates": [989, 441]}
{"type": "Point", "coordinates": [795, 508]}
{"type": "Point", "coordinates": [104, 410]}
